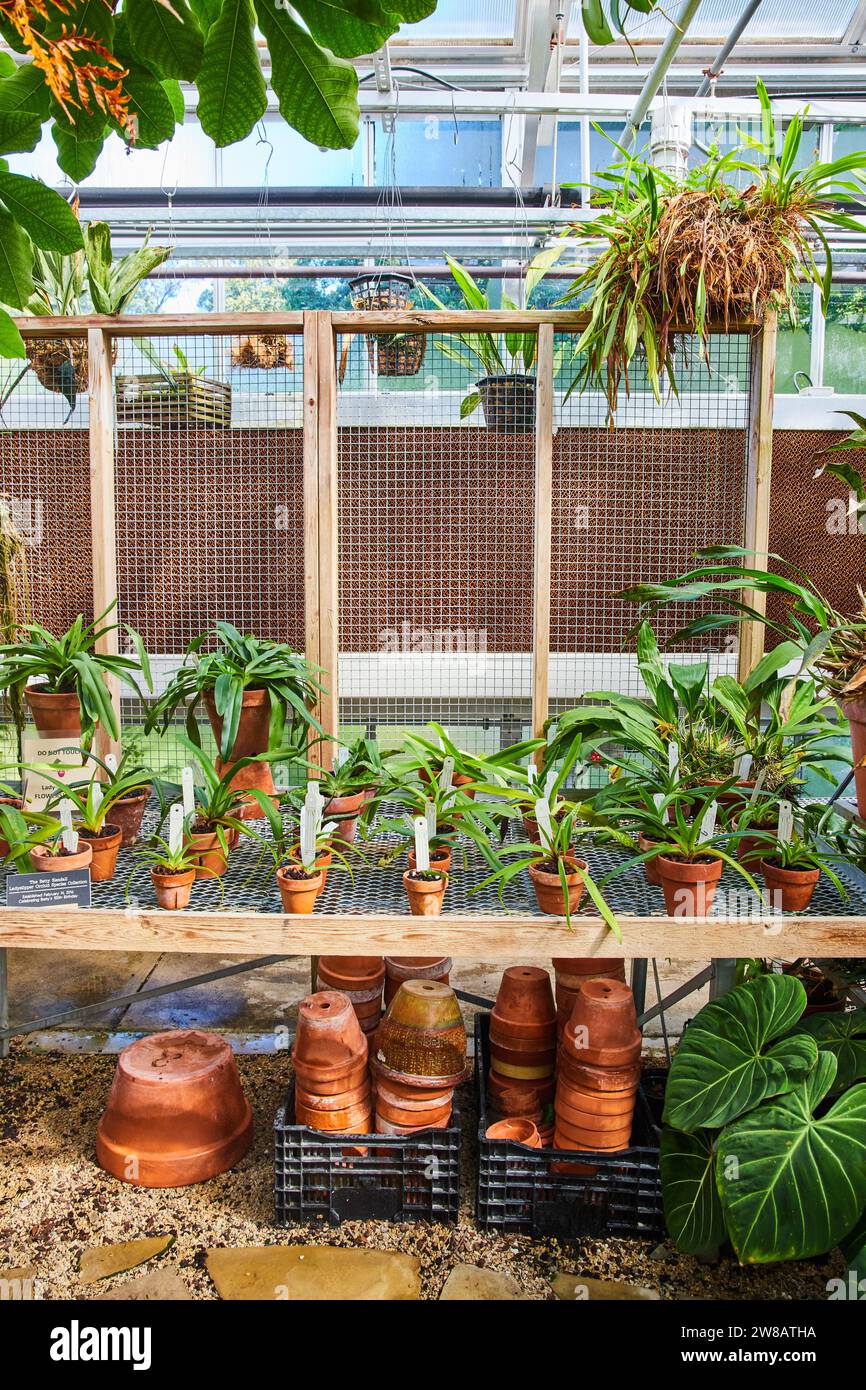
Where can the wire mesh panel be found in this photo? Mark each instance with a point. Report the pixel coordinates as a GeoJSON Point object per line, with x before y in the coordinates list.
{"type": "Point", "coordinates": [435, 540]}
{"type": "Point", "coordinates": [210, 513]}
{"type": "Point", "coordinates": [633, 502]}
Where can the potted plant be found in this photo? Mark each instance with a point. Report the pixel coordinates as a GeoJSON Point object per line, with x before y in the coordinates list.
{"type": "Point", "coordinates": [450, 806]}
{"type": "Point", "coordinates": [264, 352]}
{"type": "Point", "coordinates": [791, 868]}
{"type": "Point", "coordinates": [352, 784]}
{"type": "Point", "coordinates": [214, 827]}
{"type": "Point", "coordinates": [172, 871]}
{"type": "Point", "coordinates": [23, 830]}
{"type": "Point", "coordinates": [425, 889]}
{"type": "Point", "coordinates": [389, 354]}
{"type": "Point", "coordinates": [128, 788]}
{"type": "Point", "coordinates": [505, 387]}
{"type": "Point", "coordinates": [257, 694]}
{"type": "Point", "coordinates": [92, 811]}
{"type": "Point", "coordinates": [682, 253]}
{"type": "Point", "coordinates": [48, 854]}
{"type": "Point", "coordinates": [61, 678]}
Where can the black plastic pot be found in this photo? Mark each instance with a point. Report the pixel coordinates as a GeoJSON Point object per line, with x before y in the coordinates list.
{"type": "Point", "coordinates": [508, 403]}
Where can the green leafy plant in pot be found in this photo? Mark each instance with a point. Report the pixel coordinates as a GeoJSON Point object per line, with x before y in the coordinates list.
{"type": "Point", "coordinates": [764, 1144]}
{"type": "Point", "coordinates": [219, 819]}
{"type": "Point", "coordinates": [791, 868]}
{"type": "Point", "coordinates": [172, 871]}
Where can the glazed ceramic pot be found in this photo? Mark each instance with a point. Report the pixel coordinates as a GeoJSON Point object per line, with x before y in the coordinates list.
{"type": "Point", "coordinates": [524, 1005]}
{"type": "Point", "coordinates": [43, 862]}
{"type": "Point", "coordinates": [603, 1027]}
{"type": "Point", "coordinates": [55, 716]}
{"type": "Point", "coordinates": [790, 888]}
{"type": "Point", "coordinates": [525, 1070]}
{"type": "Point", "coordinates": [176, 1113]}
{"type": "Point", "coordinates": [400, 968]}
{"type": "Point", "coordinates": [422, 1035]}
{"type": "Point", "coordinates": [548, 888]}
{"type": "Point", "coordinates": [106, 848]}
{"type": "Point", "coordinates": [517, 1131]}
{"type": "Point", "coordinates": [329, 1043]}
{"type": "Point", "coordinates": [298, 894]}
{"type": "Point", "coordinates": [173, 890]}
{"type": "Point", "coordinates": [128, 813]}
{"type": "Point", "coordinates": [425, 895]}
{"type": "Point", "coordinates": [689, 888]}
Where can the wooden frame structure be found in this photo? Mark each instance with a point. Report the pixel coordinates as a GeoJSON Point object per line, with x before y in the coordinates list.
{"type": "Point", "coordinates": [506, 937]}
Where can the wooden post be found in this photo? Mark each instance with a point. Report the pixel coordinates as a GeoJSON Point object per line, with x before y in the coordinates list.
{"type": "Point", "coordinates": [102, 509]}
{"type": "Point", "coordinates": [543, 529]}
{"type": "Point", "coordinates": [312, 645]}
{"type": "Point", "coordinates": [329, 640]}
{"type": "Point", "coordinates": [758, 479]}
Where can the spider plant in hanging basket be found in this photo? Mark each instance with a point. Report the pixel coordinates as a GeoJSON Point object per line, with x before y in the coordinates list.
{"type": "Point", "coordinates": [682, 255]}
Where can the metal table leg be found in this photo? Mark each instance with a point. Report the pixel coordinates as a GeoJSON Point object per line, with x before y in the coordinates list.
{"type": "Point", "coordinates": [638, 984]}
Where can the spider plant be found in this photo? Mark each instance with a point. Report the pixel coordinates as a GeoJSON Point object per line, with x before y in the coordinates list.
{"type": "Point", "coordinates": [158, 854]}
{"type": "Point", "coordinates": [233, 665]}
{"type": "Point", "coordinates": [71, 663]}
{"type": "Point", "coordinates": [730, 240]}
{"type": "Point", "coordinates": [451, 809]}
{"type": "Point", "coordinates": [361, 768]}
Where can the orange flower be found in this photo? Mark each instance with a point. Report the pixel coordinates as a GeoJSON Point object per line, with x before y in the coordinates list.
{"type": "Point", "coordinates": [75, 85]}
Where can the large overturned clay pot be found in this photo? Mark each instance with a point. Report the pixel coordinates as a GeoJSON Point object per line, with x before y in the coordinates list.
{"type": "Point", "coordinates": [176, 1113]}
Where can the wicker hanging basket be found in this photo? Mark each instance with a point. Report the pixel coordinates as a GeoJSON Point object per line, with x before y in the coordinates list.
{"type": "Point", "coordinates": [60, 363]}
{"type": "Point", "coordinates": [389, 354]}
{"type": "Point", "coordinates": [264, 351]}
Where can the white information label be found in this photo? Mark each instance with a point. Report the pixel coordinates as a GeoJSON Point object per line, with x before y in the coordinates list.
{"type": "Point", "coordinates": [542, 816]}
{"type": "Point", "coordinates": [309, 819]}
{"type": "Point", "coordinates": [187, 787]}
{"type": "Point", "coordinates": [175, 827]}
{"type": "Point", "coordinates": [786, 821]}
{"type": "Point", "coordinates": [422, 844]}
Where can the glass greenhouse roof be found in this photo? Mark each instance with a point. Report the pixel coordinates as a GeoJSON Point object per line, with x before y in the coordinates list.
{"type": "Point", "coordinates": [773, 20]}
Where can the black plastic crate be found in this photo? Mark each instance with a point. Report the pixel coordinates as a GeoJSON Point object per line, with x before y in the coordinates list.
{"type": "Point", "coordinates": [320, 1177]}
{"type": "Point", "coordinates": [620, 1195]}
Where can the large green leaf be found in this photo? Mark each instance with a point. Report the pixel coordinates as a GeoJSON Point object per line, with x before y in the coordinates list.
{"type": "Point", "coordinates": [728, 1061]}
{"type": "Point", "coordinates": [20, 131]}
{"type": "Point", "coordinates": [844, 1035]}
{"type": "Point", "coordinates": [25, 91]}
{"type": "Point", "coordinates": [45, 216]}
{"type": "Point", "coordinates": [206, 12]}
{"type": "Point", "coordinates": [11, 342]}
{"type": "Point", "coordinates": [151, 109]}
{"type": "Point", "coordinates": [16, 263]}
{"type": "Point", "coordinates": [793, 1184]}
{"type": "Point", "coordinates": [318, 93]}
{"type": "Point", "coordinates": [333, 26]}
{"type": "Point", "coordinates": [168, 40]}
{"type": "Point", "coordinates": [693, 1210]}
{"type": "Point", "coordinates": [76, 156]}
{"type": "Point", "coordinates": [231, 88]}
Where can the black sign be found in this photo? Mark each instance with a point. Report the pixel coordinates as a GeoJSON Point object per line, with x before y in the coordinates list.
{"type": "Point", "coordinates": [71, 889]}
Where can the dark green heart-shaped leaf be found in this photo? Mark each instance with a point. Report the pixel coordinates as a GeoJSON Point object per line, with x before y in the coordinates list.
{"type": "Point", "coordinates": [167, 40]}
{"type": "Point", "coordinates": [792, 1185]}
{"type": "Point", "coordinates": [231, 88]}
{"type": "Point", "coordinates": [693, 1210]}
{"type": "Point", "coordinates": [318, 93]}
{"type": "Point", "coordinates": [728, 1061]}
{"type": "Point", "coordinates": [844, 1035]}
{"type": "Point", "coordinates": [45, 216]}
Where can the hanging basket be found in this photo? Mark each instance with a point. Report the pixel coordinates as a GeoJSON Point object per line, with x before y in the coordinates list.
{"type": "Point", "coordinates": [264, 351]}
{"type": "Point", "coordinates": [389, 354]}
{"type": "Point", "coordinates": [180, 401]}
{"type": "Point", "coordinates": [61, 364]}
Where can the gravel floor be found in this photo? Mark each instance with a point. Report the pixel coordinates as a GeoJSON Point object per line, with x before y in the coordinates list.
{"type": "Point", "coordinates": [55, 1203]}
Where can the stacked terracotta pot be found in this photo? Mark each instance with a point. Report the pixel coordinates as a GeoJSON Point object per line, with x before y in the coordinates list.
{"type": "Point", "coordinates": [418, 1058]}
{"type": "Point", "coordinates": [571, 973]}
{"type": "Point", "coordinates": [398, 969]}
{"type": "Point", "coordinates": [332, 1079]}
{"type": "Point", "coordinates": [361, 979]}
{"type": "Point", "coordinates": [523, 1048]}
{"type": "Point", "coordinates": [599, 1070]}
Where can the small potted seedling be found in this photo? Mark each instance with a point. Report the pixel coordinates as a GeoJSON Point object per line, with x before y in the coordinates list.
{"type": "Point", "coordinates": [300, 879]}
{"type": "Point", "coordinates": [689, 858]}
{"type": "Point", "coordinates": [425, 886]}
{"type": "Point", "coordinates": [22, 831]}
{"type": "Point", "coordinates": [287, 847]}
{"type": "Point", "coordinates": [792, 862]}
{"type": "Point", "coordinates": [172, 864]}
{"type": "Point", "coordinates": [59, 850]}
{"type": "Point", "coordinates": [443, 808]}
{"type": "Point", "coordinates": [95, 804]}
{"type": "Point", "coordinates": [212, 812]}
{"type": "Point", "coordinates": [128, 787]}
{"type": "Point", "coordinates": [351, 784]}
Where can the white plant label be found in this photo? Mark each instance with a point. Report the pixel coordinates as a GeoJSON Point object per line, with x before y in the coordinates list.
{"type": "Point", "coordinates": [708, 821]}
{"type": "Point", "coordinates": [309, 819]}
{"type": "Point", "coordinates": [422, 844]}
{"type": "Point", "coordinates": [340, 756]}
{"type": "Point", "coordinates": [175, 827]}
{"type": "Point", "coordinates": [531, 773]}
{"type": "Point", "coordinates": [786, 821]}
{"type": "Point", "coordinates": [447, 774]}
{"type": "Point", "coordinates": [111, 763]}
{"type": "Point", "coordinates": [673, 758]}
{"type": "Point", "coordinates": [187, 788]}
{"type": "Point", "coordinates": [744, 767]}
{"type": "Point", "coordinates": [96, 795]}
{"type": "Point", "coordinates": [68, 836]}
{"type": "Point", "coordinates": [658, 798]}
{"type": "Point", "coordinates": [758, 787]}
{"type": "Point", "coordinates": [545, 822]}
{"type": "Point", "coordinates": [549, 782]}
{"type": "Point", "coordinates": [430, 818]}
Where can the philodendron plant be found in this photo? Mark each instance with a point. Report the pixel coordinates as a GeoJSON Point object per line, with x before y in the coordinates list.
{"type": "Point", "coordinates": [764, 1142]}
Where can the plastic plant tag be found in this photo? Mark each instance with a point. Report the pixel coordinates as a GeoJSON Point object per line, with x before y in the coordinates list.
{"type": "Point", "coordinates": [340, 756]}
{"type": "Point", "coordinates": [96, 795]}
{"type": "Point", "coordinates": [786, 822]}
{"type": "Point", "coordinates": [708, 821]}
{"type": "Point", "coordinates": [673, 758]}
{"type": "Point", "coordinates": [309, 817]}
{"type": "Point", "coordinates": [176, 817]}
{"type": "Point", "coordinates": [758, 787]}
{"type": "Point", "coordinates": [658, 798]}
{"type": "Point", "coordinates": [447, 774]}
{"type": "Point", "coordinates": [549, 782]}
{"type": "Point", "coordinates": [111, 763]}
{"type": "Point", "coordinates": [187, 791]}
{"type": "Point", "coordinates": [744, 767]}
{"type": "Point", "coordinates": [68, 836]}
{"type": "Point", "coordinates": [531, 772]}
{"type": "Point", "coordinates": [422, 844]}
{"type": "Point", "coordinates": [543, 817]}
{"type": "Point", "coordinates": [430, 818]}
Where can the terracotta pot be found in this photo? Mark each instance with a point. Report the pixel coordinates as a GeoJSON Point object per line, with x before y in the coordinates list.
{"type": "Point", "coordinates": [581, 1098]}
{"type": "Point", "coordinates": [548, 889]}
{"type": "Point", "coordinates": [458, 779]}
{"type": "Point", "coordinates": [604, 1017]}
{"type": "Point", "coordinates": [367, 1003]}
{"type": "Point", "coordinates": [439, 859]}
{"type": "Point", "coordinates": [408, 1091]}
{"type": "Point", "coordinates": [251, 739]}
{"type": "Point", "coordinates": [211, 861]}
{"type": "Point", "coordinates": [393, 1131]}
{"type": "Point", "coordinates": [400, 968]}
{"type": "Point", "coordinates": [352, 972]}
{"type": "Point", "coordinates": [427, 1119]}
{"type": "Point", "coordinates": [735, 796]}
{"type": "Point", "coordinates": [689, 888]}
{"type": "Point", "coordinates": [524, 1071]}
{"type": "Point", "coordinates": [575, 969]}
{"type": "Point", "coordinates": [793, 888]}
{"type": "Point", "coordinates": [511, 1097]}
{"type": "Point", "coordinates": [339, 806]}
{"type": "Point", "coordinates": [422, 1034]}
{"type": "Point", "coordinates": [751, 849]}
{"type": "Point", "coordinates": [176, 1113]}
{"type": "Point", "coordinates": [55, 716]}
{"type": "Point", "coordinates": [41, 862]}
{"type": "Point", "coordinates": [172, 890]}
{"type": "Point", "coordinates": [418, 1103]}
{"type": "Point", "coordinates": [340, 1100]}
{"type": "Point", "coordinates": [425, 895]}
{"type": "Point", "coordinates": [855, 712]}
{"type": "Point", "coordinates": [329, 1044]}
{"type": "Point", "coordinates": [298, 895]}
{"type": "Point", "coordinates": [106, 848]}
{"type": "Point", "coordinates": [324, 859]}
{"type": "Point", "coordinates": [128, 814]}
{"type": "Point", "coordinates": [524, 1005]}
{"type": "Point", "coordinates": [597, 1078]}
{"type": "Point", "coordinates": [517, 1131]}
{"type": "Point", "coordinates": [355, 1119]}
{"type": "Point", "coordinates": [525, 1051]}
{"type": "Point", "coordinates": [594, 1120]}
{"type": "Point", "coordinates": [586, 1141]}
{"type": "Point", "coordinates": [313, 1083]}
{"type": "Point", "coordinates": [345, 830]}
{"type": "Point", "coordinates": [650, 866]}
